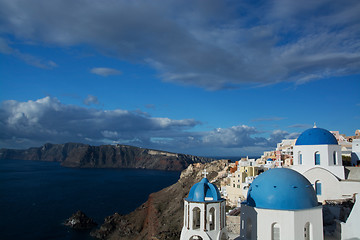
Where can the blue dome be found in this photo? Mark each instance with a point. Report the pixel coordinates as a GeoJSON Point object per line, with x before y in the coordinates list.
{"type": "Point", "coordinates": [204, 191]}
{"type": "Point", "coordinates": [316, 136]}
{"type": "Point", "coordinates": [283, 189]}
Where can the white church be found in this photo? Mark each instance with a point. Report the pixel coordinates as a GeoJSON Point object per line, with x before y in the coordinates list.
{"type": "Point", "coordinates": [317, 155]}
{"type": "Point", "coordinates": [286, 203]}
{"type": "Point", "coordinates": [204, 213]}
{"type": "Point", "coordinates": [281, 204]}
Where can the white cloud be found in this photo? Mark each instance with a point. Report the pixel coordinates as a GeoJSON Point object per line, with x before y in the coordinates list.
{"type": "Point", "coordinates": [47, 119]}
{"type": "Point", "coordinates": [105, 71]}
{"type": "Point", "coordinates": [110, 134]}
{"type": "Point", "coordinates": [277, 135]}
{"type": "Point", "coordinates": [33, 123]}
{"type": "Point", "coordinates": [236, 136]}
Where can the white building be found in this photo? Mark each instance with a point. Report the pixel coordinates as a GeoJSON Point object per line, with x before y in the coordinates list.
{"type": "Point", "coordinates": [281, 204]}
{"type": "Point", "coordinates": [286, 146]}
{"type": "Point", "coordinates": [343, 142]}
{"type": "Point", "coordinates": [239, 183]}
{"type": "Point", "coordinates": [317, 156]}
{"type": "Point", "coordinates": [284, 151]}
{"type": "Point", "coordinates": [204, 213]}
{"type": "Point", "coordinates": [317, 147]}
{"type": "Point", "coordinates": [355, 153]}
{"type": "Point", "coordinates": [350, 230]}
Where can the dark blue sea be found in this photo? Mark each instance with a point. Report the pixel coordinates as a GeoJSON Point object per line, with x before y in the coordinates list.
{"type": "Point", "coordinates": [36, 197]}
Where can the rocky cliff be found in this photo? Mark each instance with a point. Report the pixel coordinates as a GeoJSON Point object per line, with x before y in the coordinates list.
{"type": "Point", "coordinates": [161, 217]}
{"type": "Point", "coordinates": [105, 156]}
{"type": "Point", "coordinates": [48, 152]}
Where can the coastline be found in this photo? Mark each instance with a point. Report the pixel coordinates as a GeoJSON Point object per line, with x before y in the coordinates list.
{"type": "Point", "coordinates": [42, 195]}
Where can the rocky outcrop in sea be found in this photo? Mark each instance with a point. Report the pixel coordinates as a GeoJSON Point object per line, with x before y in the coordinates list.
{"type": "Point", "coordinates": [80, 221]}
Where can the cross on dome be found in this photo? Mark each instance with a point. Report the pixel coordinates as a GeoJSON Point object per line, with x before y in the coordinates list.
{"type": "Point", "coordinates": [315, 125]}
{"type": "Point", "coordinates": [205, 173]}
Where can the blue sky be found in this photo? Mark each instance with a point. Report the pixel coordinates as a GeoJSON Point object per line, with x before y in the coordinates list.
{"type": "Point", "coordinates": [213, 78]}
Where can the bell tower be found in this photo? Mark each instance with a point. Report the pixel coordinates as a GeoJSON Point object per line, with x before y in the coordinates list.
{"type": "Point", "coordinates": [204, 213]}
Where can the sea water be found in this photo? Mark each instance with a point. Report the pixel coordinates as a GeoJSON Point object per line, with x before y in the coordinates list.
{"type": "Point", "coordinates": [37, 197]}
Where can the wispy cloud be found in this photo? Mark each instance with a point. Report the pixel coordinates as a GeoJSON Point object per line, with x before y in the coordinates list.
{"type": "Point", "coordinates": [90, 99]}
{"type": "Point", "coordinates": [208, 45]}
{"type": "Point", "coordinates": [269, 119]}
{"type": "Point", "coordinates": [150, 106]}
{"type": "Point", "coordinates": [102, 71]}
{"type": "Point", "coordinates": [27, 58]}
{"type": "Point", "coordinates": [304, 126]}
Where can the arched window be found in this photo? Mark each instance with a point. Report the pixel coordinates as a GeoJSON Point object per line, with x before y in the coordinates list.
{"type": "Point", "coordinates": [248, 228]}
{"type": "Point", "coordinates": [196, 218]}
{"type": "Point", "coordinates": [317, 158]}
{"type": "Point", "coordinates": [196, 238]}
{"type": "Point", "coordinates": [318, 187]}
{"type": "Point", "coordinates": [212, 218]}
{"type": "Point", "coordinates": [300, 158]}
{"type": "Point", "coordinates": [307, 231]}
{"type": "Point", "coordinates": [335, 157]}
{"type": "Point", "coordinates": [275, 231]}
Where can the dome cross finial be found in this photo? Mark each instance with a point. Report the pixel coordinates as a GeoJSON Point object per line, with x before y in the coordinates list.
{"type": "Point", "coordinates": [315, 125]}
{"type": "Point", "coordinates": [205, 173]}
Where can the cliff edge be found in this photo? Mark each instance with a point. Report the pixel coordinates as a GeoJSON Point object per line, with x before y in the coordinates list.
{"type": "Point", "coordinates": [105, 156]}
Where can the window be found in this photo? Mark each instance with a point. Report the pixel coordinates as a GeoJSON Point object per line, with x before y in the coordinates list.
{"type": "Point", "coordinates": [275, 231]}
{"type": "Point", "coordinates": [185, 222]}
{"type": "Point", "coordinates": [318, 187]}
{"type": "Point", "coordinates": [223, 219]}
{"type": "Point", "coordinates": [196, 218]}
{"type": "Point", "coordinates": [248, 228]}
{"type": "Point", "coordinates": [196, 238]}
{"type": "Point", "coordinates": [238, 186]}
{"type": "Point", "coordinates": [307, 231]}
{"type": "Point", "coordinates": [300, 158]}
{"type": "Point", "coordinates": [212, 218]}
{"type": "Point", "coordinates": [317, 158]}
{"type": "Point", "coordinates": [334, 157]}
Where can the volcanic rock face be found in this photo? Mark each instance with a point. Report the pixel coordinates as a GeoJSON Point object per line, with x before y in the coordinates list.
{"type": "Point", "coordinates": [161, 217]}
{"type": "Point", "coordinates": [80, 221]}
{"type": "Point", "coordinates": [48, 152]}
{"type": "Point", "coordinates": [105, 156]}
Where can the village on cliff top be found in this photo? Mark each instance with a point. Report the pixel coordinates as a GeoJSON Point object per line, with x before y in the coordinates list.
{"type": "Point", "coordinates": [305, 189]}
